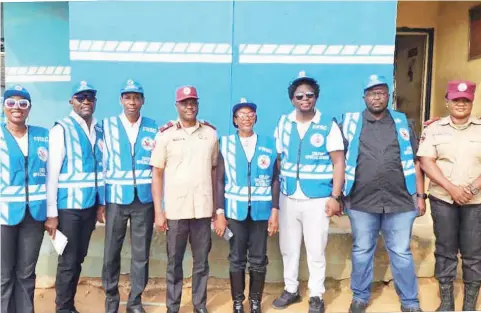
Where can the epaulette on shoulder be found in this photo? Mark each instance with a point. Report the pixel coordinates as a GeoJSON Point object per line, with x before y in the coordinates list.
{"type": "Point", "coordinates": [208, 124]}
{"type": "Point", "coordinates": [165, 127]}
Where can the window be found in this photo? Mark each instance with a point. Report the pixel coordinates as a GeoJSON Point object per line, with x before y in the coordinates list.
{"type": "Point", "coordinates": [475, 32]}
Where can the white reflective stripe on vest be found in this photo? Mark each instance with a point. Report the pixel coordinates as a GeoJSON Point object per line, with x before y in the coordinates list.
{"type": "Point", "coordinates": [79, 177]}
{"type": "Point", "coordinates": [141, 181]}
{"type": "Point", "coordinates": [244, 198]}
{"type": "Point", "coordinates": [87, 184]}
{"type": "Point", "coordinates": [245, 190]}
{"type": "Point", "coordinates": [36, 197]}
{"type": "Point", "coordinates": [306, 175]}
{"type": "Point", "coordinates": [17, 193]}
{"type": "Point", "coordinates": [114, 175]}
{"type": "Point", "coordinates": [408, 167]}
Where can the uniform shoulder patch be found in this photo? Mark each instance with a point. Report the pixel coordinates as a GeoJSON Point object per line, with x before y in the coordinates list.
{"type": "Point", "coordinates": [208, 124]}
{"type": "Point", "coordinates": [165, 127]}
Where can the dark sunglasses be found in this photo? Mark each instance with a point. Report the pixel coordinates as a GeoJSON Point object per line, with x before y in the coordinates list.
{"type": "Point", "coordinates": [300, 95]}
{"type": "Point", "coordinates": [82, 97]}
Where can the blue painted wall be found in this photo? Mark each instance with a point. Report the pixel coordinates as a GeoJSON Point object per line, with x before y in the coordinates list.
{"type": "Point", "coordinates": [227, 49]}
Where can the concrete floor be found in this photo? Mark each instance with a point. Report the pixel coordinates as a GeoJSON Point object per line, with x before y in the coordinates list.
{"type": "Point", "coordinates": [90, 297]}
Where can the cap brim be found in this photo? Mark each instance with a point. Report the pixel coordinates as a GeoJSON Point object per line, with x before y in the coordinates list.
{"type": "Point", "coordinates": [85, 90]}
{"type": "Point", "coordinates": [460, 94]}
{"type": "Point", "coordinates": [303, 79]}
{"type": "Point", "coordinates": [374, 84]}
{"type": "Point", "coordinates": [238, 106]}
{"type": "Point", "coordinates": [13, 93]}
{"type": "Point", "coordinates": [186, 97]}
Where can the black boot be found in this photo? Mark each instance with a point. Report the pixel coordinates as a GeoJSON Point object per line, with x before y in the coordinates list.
{"type": "Point", "coordinates": [446, 292]}
{"type": "Point", "coordinates": [471, 291]}
{"type": "Point", "coordinates": [237, 286]}
{"type": "Point", "coordinates": [256, 288]}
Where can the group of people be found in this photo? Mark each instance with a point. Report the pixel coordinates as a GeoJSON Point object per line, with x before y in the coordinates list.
{"type": "Point", "coordinates": [185, 180]}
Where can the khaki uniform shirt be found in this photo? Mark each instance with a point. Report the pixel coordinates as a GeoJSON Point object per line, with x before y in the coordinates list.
{"type": "Point", "coordinates": [187, 159]}
{"type": "Point", "coordinates": [457, 150]}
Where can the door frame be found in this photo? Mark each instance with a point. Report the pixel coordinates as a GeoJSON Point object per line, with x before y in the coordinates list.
{"type": "Point", "coordinates": [428, 65]}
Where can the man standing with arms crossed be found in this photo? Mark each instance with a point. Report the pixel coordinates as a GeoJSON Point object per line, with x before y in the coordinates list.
{"type": "Point", "coordinates": [75, 188]}
{"type": "Point", "coordinates": [185, 155]}
{"type": "Point", "coordinates": [129, 140]}
{"type": "Point", "coordinates": [384, 193]}
{"type": "Point", "coordinates": [311, 157]}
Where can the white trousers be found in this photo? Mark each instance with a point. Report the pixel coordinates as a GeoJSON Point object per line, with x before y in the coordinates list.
{"type": "Point", "coordinates": [308, 219]}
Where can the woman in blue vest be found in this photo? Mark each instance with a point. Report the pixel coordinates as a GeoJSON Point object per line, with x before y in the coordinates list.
{"type": "Point", "coordinates": [23, 156]}
{"type": "Point", "coordinates": [248, 196]}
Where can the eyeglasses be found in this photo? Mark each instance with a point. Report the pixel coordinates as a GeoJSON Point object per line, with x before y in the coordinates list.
{"type": "Point", "coordinates": [245, 116]}
{"type": "Point", "coordinates": [82, 97]}
{"type": "Point", "coordinates": [300, 95]}
{"type": "Point", "coordinates": [22, 104]}
{"type": "Point", "coordinates": [379, 94]}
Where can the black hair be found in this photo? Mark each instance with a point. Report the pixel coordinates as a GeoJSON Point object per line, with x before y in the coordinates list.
{"type": "Point", "coordinates": [301, 81]}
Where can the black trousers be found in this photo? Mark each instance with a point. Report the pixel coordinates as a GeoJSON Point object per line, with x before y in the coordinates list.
{"type": "Point", "coordinates": [141, 217]}
{"type": "Point", "coordinates": [198, 233]}
{"type": "Point", "coordinates": [77, 225]}
{"type": "Point", "coordinates": [20, 249]}
{"type": "Point", "coordinates": [249, 243]}
{"type": "Point", "coordinates": [457, 228]}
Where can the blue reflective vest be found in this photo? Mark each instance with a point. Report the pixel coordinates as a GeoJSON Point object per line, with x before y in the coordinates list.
{"type": "Point", "coordinates": [81, 181]}
{"type": "Point", "coordinates": [306, 160]}
{"type": "Point", "coordinates": [248, 183]}
{"type": "Point", "coordinates": [125, 172]}
{"type": "Point", "coordinates": [352, 125]}
{"type": "Point", "coordinates": [23, 178]}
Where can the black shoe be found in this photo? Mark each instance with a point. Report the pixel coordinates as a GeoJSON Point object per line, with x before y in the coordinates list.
{"type": "Point", "coordinates": [286, 299]}
{"type": "Point", "coordinates": [137, 309]}
{"type": "Point", "coordinates": [256, 289]}
{"type": "Point", "coordinates": [446, 293]}
{"type": "Point", "coordinates": [237, 286]}
{"type": "Point", "coordinates": [316, 305]}
{"type": "Point", "coordinates": [403, 309]}
{"type": "Point", "coordinates": [357, 307]}
{"type": "Point", "coordinates": [471, 291]}
{"type": "Point", "coordinates": [200, 310]}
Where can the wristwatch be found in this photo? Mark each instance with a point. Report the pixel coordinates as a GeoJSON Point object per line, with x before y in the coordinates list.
{"type": "Point", "coordinates": [219, 211]}
{"type": "Point", "coordinates": [337, 198]}
{"type": "Point", "coordinates": [422, 195]}
{"type": "Point", "coordinates": [473, 190]}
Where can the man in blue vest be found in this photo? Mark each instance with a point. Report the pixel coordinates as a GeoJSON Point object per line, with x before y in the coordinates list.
{"type": "Point", "coordinates": [23, 204]}
{"type": "Point", "coordinates": [248, 195]}
{"type": "Point", "coordinates": [129, 140]}
{"type": "Point", "coordinates": [75, 188]}
{"type": "Point", "coordinates": [384, 193]}
{"type": "Point", "coordinates": [311, 156]}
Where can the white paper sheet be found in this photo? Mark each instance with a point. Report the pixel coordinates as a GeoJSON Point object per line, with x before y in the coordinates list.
{"type": "Point", "coordinates": [60, 242]}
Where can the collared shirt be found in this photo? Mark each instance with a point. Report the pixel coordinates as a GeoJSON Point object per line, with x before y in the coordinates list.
{"type": "Point", "coordinates": [187, 158]}
{"type": "Point", "coordinates": [132, 129]}
{"type": "Point", "coordinates": [249, 145]}
{"type": "Point", "coordinates": [334, 142]}
{"type": "Point", "coordinates": [56, 154]}
{"type": "Point", "coordinates": [457, 150]}
{"type": "Point", "coordinates": [380, 184]}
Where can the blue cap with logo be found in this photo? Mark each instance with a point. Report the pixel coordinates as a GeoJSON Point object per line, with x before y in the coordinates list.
{"type": "Point", "coordinates": [244, 104]}
{"type": "Point", "coordinates": [375, 80]}
{"type": "Point", "coordinates": [132, 86]}
{"type": "Point", "coordinates": [302, 76]}
{"type": "Point", "coordinates": [83, 86]}
{"type": "Point", "coordinates": [16, 90]}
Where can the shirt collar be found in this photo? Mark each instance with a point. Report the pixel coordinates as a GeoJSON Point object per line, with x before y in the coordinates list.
{"type": "Point", "coordinates": [447, 121]}
{"type": "Point", "coordinates": [125, 119]}
{"type": "Point", "coordinates": [371, 118]}
{"type": "Point", "coordinates": [178, 124]}
{"type": "Point", "coordinates": [315, 119]}
{"type": "Point", "coordinates": [81, 121]}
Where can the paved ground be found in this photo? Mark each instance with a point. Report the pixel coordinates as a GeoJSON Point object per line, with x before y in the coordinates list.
{"type": "Point", "coordinates": [90, 297]}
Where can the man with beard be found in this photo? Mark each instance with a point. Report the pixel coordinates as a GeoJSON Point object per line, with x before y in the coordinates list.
{"type": "Point", "coordinates": [129, 139]}
{"type": "Point", "coordinates": [311, 157]}
{"type": "Point", "coordinates": [75, 188]}
{"type": "Point", "coordinates": [184, 161]}
{"type": "Point", "coordinates": [384, 192]}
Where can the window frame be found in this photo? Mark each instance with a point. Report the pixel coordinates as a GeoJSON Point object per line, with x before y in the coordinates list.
{"type": "Point", "coordinates": [476, 9]}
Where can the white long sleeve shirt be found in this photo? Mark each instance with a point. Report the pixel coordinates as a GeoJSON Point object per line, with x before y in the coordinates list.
{"type": "Point", "coordinates": [56, 156]}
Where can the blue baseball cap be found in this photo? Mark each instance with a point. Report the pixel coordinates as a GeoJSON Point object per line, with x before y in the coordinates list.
{"type": "Point", "coordinates": [132, 86]}
{"type": "Point", "coordinates": [302, 76]}
{"type": "Point", "coordinates": [244, 104]}
{"type": "Point", "coordinates": [16, 90]}
{"type": "Point", "coordinates": [83, 86]}
{"type": "Point", "coordinates": [375, 80]}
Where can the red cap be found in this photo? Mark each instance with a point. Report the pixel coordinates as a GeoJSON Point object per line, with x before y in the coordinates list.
{"type": "Point", "coordinates": [460, 89]}
{"type": "Point", "coordinates": [185, 92]}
